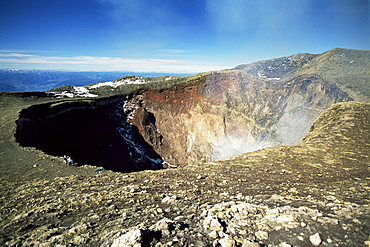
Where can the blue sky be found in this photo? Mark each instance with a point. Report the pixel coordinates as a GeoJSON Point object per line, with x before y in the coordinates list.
{"type": "Point", "coordinates": [173, 36]}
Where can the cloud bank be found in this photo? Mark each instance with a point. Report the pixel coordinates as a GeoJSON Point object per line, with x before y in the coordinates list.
{"type": "Point", "coordinates": [94, 63]}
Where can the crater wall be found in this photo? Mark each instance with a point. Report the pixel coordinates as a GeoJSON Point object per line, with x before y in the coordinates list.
{"type": "Point", "coordinates": [227, 113]}
{"type": "Point", "coordinates": [92, 132]}
{"type": "Point", "coordinates": [210, 118]}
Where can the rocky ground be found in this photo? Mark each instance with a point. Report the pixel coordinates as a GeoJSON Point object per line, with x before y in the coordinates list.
{"type": "Point", "coordinates": [315, 193]}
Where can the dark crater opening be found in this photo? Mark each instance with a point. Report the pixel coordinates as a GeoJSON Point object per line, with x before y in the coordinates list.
{"type": "Point", "coordinates": [92, 132]}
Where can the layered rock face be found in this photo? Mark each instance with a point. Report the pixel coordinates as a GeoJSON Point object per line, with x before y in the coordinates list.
{"type": "Point", "coordinates": [227, 113]}
{"type": "Point", "coordinates": [267, 103]}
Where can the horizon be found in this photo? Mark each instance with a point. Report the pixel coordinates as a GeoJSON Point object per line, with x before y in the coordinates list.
{"type": "Point", "coordinates": [157, 72]}
{"type": "Point", "coordinates": [173, 37]}
{"type": "Point", "coordinates": [93, 71]}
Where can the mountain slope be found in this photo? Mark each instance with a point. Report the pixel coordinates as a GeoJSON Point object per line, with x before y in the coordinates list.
{"type": "Point", "coordinates": [274, 196]}
{"type": "Point", "coordinates": [266, 103]}
{"type": "Point", "coordinates": [347, 69]}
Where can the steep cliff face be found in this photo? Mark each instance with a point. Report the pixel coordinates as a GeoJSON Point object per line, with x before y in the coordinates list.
{"type": "Point", "coordinates": [223, 114]}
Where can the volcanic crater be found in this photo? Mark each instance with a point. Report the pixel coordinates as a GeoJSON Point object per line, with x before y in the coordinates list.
{"type": "Point", "coordinates": [308, 187]}
{"type": "Point", "coordinates": [211, 118]}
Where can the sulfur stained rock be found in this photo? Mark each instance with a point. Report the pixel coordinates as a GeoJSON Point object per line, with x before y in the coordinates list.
{"type": "Point", "coordinates": [169, 199]}
{"type": "Point", "coordinates": [213, 234]}
{"type": "Point", "coordinates": [247, 243]}
{"type": "Point", "coordinates": [327, 220]}
{"type": "Point", "coordinates": [262, 235]}
{"type": "Point", "coordinates": [212, 223]}
{"type": "Point", "coordinates": [227, 241]}
{"type": "Point", "coordinates": [133, 237]}
{"type": "Point", "coordinates": [315, 239]}
{"type": "Point", "coordinates": [284, 245]}
{"type": "Point", "coordinates": [163, 226]}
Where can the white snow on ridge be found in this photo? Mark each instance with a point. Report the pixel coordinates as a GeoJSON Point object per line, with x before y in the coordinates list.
{"type": "Point", "coordinates": [84, 91]}
{"type": "Point", "coordinates": [77, 92]}
{"type": "Point", "coordinates": [107, 83]}
{"type": "Point", "coordinates": [114, 84]}
{"type": "Point", "coordinates": [261, 75]}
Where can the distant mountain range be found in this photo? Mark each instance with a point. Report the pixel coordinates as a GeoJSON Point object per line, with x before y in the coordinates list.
{"type": "Point", "coordinates": [43, 80]}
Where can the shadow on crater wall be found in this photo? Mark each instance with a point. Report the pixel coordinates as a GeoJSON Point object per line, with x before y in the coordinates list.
{"type": "Point", "coordinates": [90, 131]}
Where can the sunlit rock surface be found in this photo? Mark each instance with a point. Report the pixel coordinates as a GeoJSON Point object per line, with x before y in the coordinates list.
{"type": "Point", "coordinates": [297, 195]}
{"type": "Point", "coordinates": [228, 113]}
{"type": "Point", "coordinates": [313, 192]}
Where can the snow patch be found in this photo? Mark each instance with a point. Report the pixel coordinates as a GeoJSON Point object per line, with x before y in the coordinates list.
{"type": "Point", "coordinates": [76, 92]}
{"type": "Point", "coordinates": [137, 152]}
{"type": "Point", "coordinates": [261, 75]}
{"type": "Point", "coordinates": [117, 83]}
{"type": "Point", "coordinates": [107, 83]}
{"type": "Point", "coordinates": [169, 165]}
{"type": "Point", "coordinates": [83, 92]}
{"type": "Point", "coordinates": [129, 108]}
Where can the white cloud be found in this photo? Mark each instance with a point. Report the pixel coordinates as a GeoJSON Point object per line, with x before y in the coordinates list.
{"type": "Point", "coordinates": [259, 16]}
{"type": "Point", "coordinates": [10, 53]}
{"type": "Point", "coordinates": [138, 17]}
{"type": "Point", "coordinates": [231, 15]}
{"type": "Point", "coordinates": [172, 51]}
{"type": "Point", "coordinates": [91, 63]}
